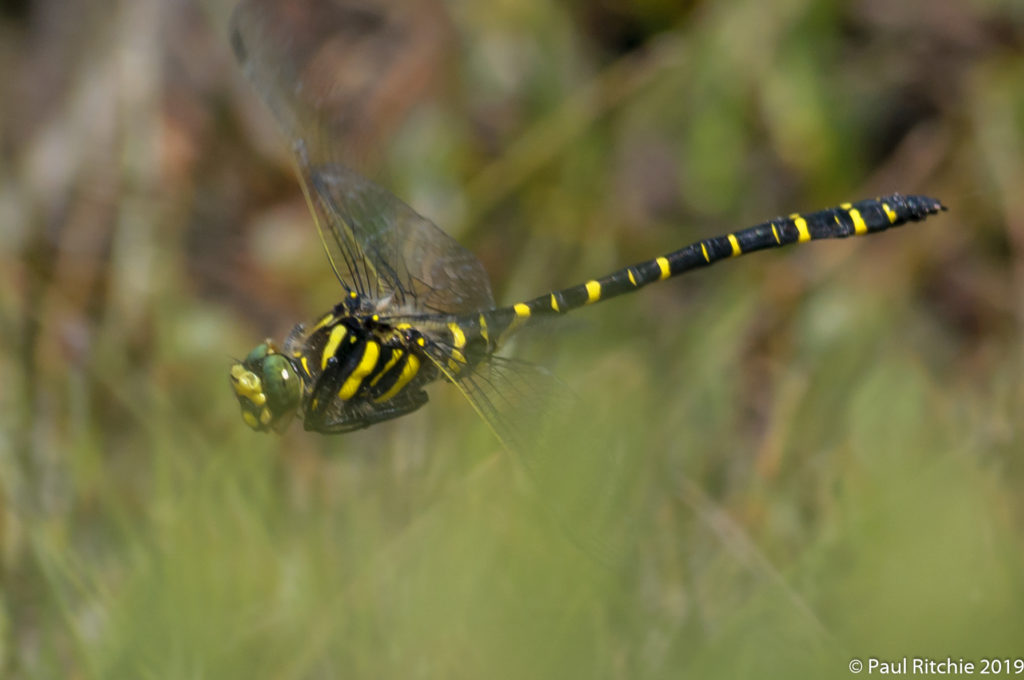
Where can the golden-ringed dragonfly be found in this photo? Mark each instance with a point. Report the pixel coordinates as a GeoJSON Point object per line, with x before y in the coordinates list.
{"type": "Point", "coordinates": [416, 306]}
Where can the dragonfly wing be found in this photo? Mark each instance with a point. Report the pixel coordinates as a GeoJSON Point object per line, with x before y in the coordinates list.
{"type": "Point", "coordinates": [340, 74]}
{"type": "Point", "coordinates": [573, 473]}
{"type": "Point", "coordinates": [317, 65]}
{"type": "Point", "coordinates": [403, 254]}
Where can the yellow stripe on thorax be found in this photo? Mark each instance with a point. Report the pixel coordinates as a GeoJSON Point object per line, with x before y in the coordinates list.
{"type": "Point", "coordinates": [324, 322]}
{"type": "Point", "coordinates": [409, 371]}
{"type": "Point", "coordinates": [333, 342]}
{"type": "Point", "coordinates": [396, 354]}
{"type": "Point", "coordinates": [370, 355]}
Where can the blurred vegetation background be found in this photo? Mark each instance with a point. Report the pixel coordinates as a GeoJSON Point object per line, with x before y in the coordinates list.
{"type": "Point", "coordinates": [803, 456]}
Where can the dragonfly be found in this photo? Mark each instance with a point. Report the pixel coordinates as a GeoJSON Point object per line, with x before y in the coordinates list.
{"type": "Point", "coordinates": [415, 306]}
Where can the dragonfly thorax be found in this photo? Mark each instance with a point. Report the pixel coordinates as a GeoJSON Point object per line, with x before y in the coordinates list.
{"type": "Point", "coordinates": [347, 371]}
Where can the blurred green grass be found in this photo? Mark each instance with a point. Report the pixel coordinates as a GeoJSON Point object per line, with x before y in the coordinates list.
{"type": "Point", "coordinates": [802, 457]}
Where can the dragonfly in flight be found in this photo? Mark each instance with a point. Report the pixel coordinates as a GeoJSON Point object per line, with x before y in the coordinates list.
{"type": "Point", "coordinates": [415, 306]}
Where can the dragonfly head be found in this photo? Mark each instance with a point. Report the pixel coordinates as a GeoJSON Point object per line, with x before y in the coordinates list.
{"type": "Point", "coordinates": [268, 388]}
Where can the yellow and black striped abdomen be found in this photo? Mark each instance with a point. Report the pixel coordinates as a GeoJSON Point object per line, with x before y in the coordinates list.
{"type": "Point", "coordinates": [848, 219]}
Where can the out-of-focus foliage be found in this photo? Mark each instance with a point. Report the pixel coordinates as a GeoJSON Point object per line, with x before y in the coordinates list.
{"type": "Point", "coordinates": [806, 456]}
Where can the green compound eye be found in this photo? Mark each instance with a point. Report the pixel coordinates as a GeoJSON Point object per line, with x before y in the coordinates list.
{"type": "Point", "coordinates": [267, 388]}
{"type": "Point", "coordinates": [281, 385]}
{"type": "Point", "coordinates": [258, 352]}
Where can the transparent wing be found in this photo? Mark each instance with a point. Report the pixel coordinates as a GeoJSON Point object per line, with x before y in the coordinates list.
{"type": "Point", "coordinates": [520, 402]}
{"type": "Point", "coordinates": [318, 66]}
{"type": "Point", "coordinates": [547, 428]}
{"type": "Point", "coordinates": [340, 74]}
{"type": "Point", "coordinates": [387, 249]}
